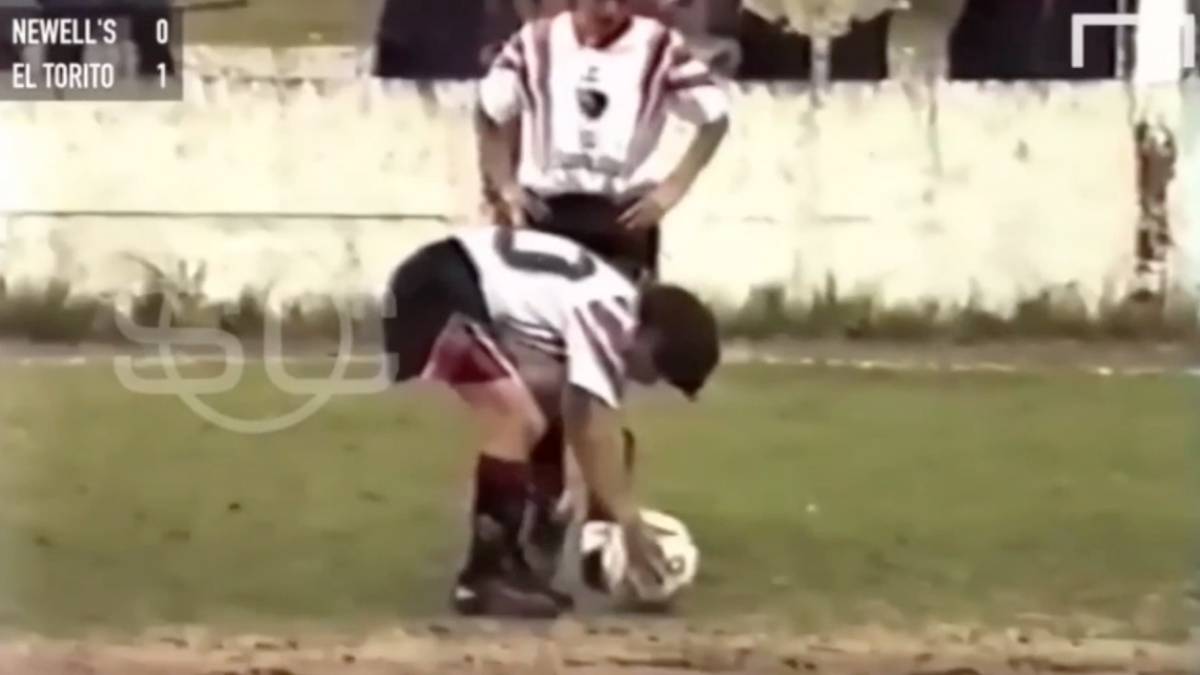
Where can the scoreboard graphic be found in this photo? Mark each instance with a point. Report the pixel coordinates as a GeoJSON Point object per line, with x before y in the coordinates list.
{"type": "Point", "coordinates": [102, 50]}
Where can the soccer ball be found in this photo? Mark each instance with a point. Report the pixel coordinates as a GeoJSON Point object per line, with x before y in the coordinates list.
{"type": "Point", "coordinates": [605, 560]}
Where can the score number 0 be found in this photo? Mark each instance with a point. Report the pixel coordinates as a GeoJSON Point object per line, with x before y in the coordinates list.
{"type": "Point", "coordinates": [162, 35]}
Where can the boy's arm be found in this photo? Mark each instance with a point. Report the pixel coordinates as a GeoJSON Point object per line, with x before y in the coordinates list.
{"type": "Point", "coordinates": [496, 143]}
{"type": "Point", "coordinates": [593, 428]}
{"type": "Point", "coordinates": [594, 431]}
{"type": "Point", "coordinates": [497, 120]}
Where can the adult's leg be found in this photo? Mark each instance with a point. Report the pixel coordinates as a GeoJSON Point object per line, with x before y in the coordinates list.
{"type": "Point", "coordinates": [144, 29]}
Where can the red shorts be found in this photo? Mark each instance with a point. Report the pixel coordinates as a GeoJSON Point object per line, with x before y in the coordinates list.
{"type": "Point", "coordinates": [465, 353]}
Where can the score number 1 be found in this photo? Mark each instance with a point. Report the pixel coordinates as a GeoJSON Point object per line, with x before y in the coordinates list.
{"type": "Point", "coordinates": [162, 34]}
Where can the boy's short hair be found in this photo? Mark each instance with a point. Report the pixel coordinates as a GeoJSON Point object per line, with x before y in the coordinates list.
{"type": "Point", "coordinates": [688, 347]}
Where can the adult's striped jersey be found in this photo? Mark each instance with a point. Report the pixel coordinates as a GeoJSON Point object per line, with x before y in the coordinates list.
{"type": "Point", "coordinates": [592, 114]}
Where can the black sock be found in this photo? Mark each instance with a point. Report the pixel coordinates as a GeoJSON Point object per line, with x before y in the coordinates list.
{"type": "Point", "coordinates": [500, 490]}
{"type": "Point", "coordinates": [546, 464]}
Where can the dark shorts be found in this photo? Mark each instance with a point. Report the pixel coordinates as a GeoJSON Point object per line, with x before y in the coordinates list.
{"type": "Point", "coordinates": [591, 221]}
{"type": "Point", "coordinates": [436, 323]}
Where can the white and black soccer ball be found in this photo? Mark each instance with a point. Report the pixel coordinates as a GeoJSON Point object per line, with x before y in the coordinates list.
{"type": "Point", "coordinates": [605, 561]}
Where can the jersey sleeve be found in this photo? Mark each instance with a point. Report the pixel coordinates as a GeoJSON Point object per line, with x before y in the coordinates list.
{"type": "Point", "coordinates": [691, 90]}
{"type": "Point", "coordinates": [595, 338]}
{"type": "Point", "coordinates": [500, 90]}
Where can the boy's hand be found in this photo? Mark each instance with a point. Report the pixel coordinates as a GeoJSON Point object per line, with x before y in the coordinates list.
{"type": "Point", "coordinates": [647, 563]}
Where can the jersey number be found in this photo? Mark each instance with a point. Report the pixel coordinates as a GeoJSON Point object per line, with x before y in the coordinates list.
{"type": "Point", "coordinates": [537, 261]}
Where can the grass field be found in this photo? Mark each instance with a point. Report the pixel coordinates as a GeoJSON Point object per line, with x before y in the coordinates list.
{"type": "Point", "coordinates": [819, 498]}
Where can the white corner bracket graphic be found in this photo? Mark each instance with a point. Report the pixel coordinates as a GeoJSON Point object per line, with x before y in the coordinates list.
{"type": "Point", "coordinates": [1082, 21]}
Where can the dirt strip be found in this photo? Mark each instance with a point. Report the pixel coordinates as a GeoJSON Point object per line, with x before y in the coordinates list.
{"type": "Point", "coordinates": [617, 647]}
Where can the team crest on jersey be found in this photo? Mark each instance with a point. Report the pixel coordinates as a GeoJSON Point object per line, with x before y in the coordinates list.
{"type": "Point", "coordinates": [593, 103]}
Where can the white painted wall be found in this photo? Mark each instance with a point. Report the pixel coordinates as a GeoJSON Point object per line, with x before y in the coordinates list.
{"type": "Point", "coordinates": [1007, 189]}
{"type": "Point", "coordinates": [1188, 183]}
{"type": "Point", "coordinates": [281, 258]}
{"type": "Point", "coordinates": [897, 190]}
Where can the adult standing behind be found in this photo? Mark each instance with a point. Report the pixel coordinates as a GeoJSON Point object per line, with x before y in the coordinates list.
{"type": "Point", "coordinates": [580, 99]}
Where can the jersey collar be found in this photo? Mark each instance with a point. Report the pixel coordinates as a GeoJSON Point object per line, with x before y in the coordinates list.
{"type": "Point", "coordinates": [605, 41]}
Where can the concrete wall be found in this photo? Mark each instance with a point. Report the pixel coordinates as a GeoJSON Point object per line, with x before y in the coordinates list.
{"type": "Point", "coordinates": [908, 193]}
{"type": "Point", "coordinates": [897, 190]}
{"type": "Point", "coordinates": [1188, 266]}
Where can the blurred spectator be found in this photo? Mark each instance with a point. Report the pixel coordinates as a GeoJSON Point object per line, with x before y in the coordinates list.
{"type": "Point", "coordinates": [1010, 40]}
{"type": "Point", "coordinates": [776, 38]}
{"type": "Point", "coordinates": [769, 51]}
{"type": "Point", "coordinates": [861, 53]}
{"type": "Point", "coordinates": [430, 39]}
{"type": "Point", "coordinates": [501, 19]}
{"type": "Point", "coordinates": [143, 16]}
{"type": "Point", "coordinates": [457, 39]}
{"type": "Point", "coordinates": [9, 52]}
{"type": "Point", "coordinates": [710, 27]}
